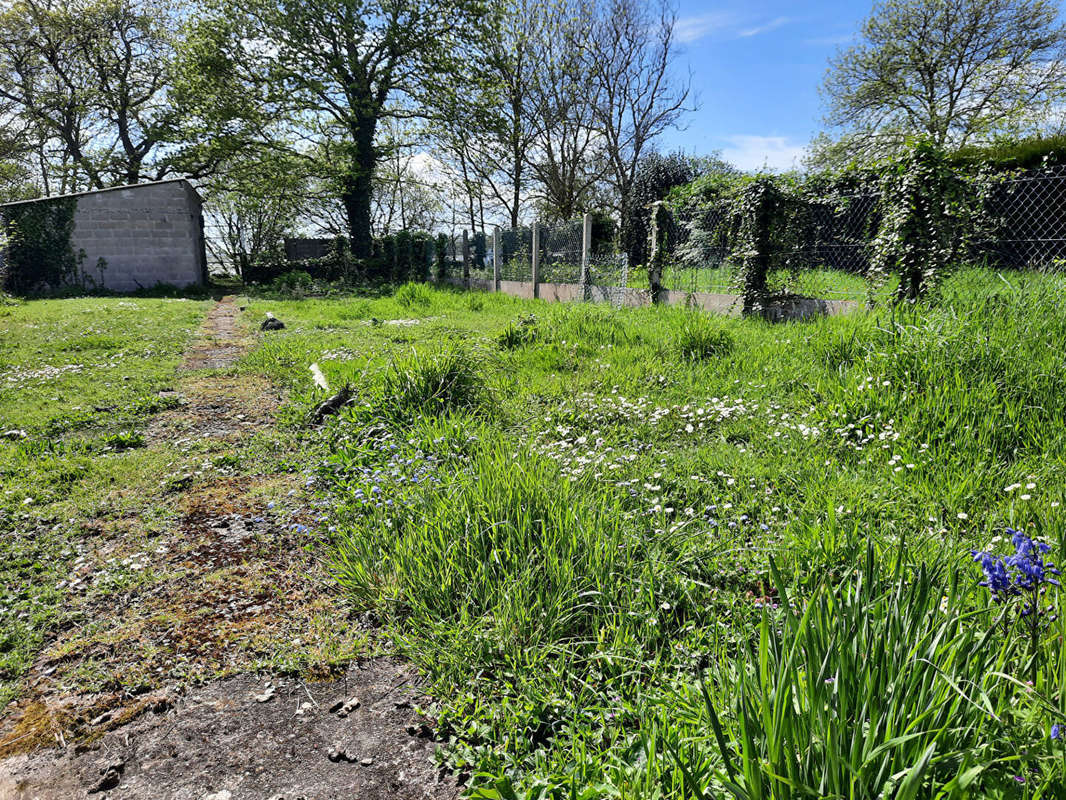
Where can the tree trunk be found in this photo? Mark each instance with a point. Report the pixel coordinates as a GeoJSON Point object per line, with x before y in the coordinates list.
{"type": "Point", "coordinates": [358, 188]}
{"type": "Point", "coordinates": [356, 200]}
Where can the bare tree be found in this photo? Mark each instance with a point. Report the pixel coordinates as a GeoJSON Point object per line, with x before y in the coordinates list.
{"type": "Point", "coordinates": [567, 152]}
{"type": "Point", "coordinates": [251, 206]}
{"type": "Point", "coordinates": [486, 116]}
{"type": "Point", "coordinates": [951, 70]}
{"type": "Point", "coordinates": [630, 57]}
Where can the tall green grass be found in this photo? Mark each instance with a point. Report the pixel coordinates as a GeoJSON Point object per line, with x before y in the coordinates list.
{"type": "Point", "coordinates": [584, 560]}
{"type": "Point", "coordinates": [881, 686]}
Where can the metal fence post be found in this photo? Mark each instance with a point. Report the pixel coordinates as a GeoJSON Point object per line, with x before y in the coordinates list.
{"type": "Point", "coordinates": [586, 254]}
{"type": "Point", "coordinates": [497, 241]}
{"type": "Point", "coordinates": [466, 260]}
{"type": "Point", "coordinates": [536, 260]}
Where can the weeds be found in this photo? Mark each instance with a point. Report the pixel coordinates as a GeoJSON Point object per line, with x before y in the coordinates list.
{"type": "Point", "coordinates": [519, 334]}
{"type": "Point", "coordinates": [884, 685]}
{"type": "Point", "coordinates": [700, 339]}
{"type": "Point", "coordinates": [574, 540]}
{"type": "Point", "coordinates": [414, 295]}
{"type": "Point", "coordinates": [435, 383]}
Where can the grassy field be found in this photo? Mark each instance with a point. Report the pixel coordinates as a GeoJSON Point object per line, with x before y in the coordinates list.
{"type": "Point", "coordinates": [645, 553]}
{"type": "Point", "coordinates": [78, 381]}
{"type": "Point", "coordinates": [642, 553]}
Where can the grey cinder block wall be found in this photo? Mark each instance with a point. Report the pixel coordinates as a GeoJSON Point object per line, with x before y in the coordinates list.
{"type": "Point", "coordinates": [145, 234]}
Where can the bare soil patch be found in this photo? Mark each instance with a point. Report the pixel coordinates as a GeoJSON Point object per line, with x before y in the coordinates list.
{"type": "Point", "coordinates": [148, 691]}
{"type": "Point", "coordinates": [250, 738]}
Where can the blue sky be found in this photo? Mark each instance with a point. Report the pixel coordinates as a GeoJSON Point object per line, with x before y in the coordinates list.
{"type": "Point", "coordinates": [756, 68]}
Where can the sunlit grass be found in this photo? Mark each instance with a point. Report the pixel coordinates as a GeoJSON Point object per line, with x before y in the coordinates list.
{"type": "Point", "coordinates": [567, 561]}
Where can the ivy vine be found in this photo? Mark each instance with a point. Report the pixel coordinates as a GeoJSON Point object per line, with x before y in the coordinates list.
{"type": "Point", "coordinates": [760, 224]}
{"type": "Point", "coordinates": [931, 214]}
{"type": "Point", "coordinates": [38, 254]}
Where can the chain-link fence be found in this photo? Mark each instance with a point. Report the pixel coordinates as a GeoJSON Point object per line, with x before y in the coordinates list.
{"type": "Point", "coordinates": [831, 260]}
{"type": "Point", "coordinates": [560, 254]}
{"type": "Point", "coordinates": [516, 254]}
{"type": "Point", "coordinates": [833, 256]}
{"type": "Point", "coordinates": [1031, 214]}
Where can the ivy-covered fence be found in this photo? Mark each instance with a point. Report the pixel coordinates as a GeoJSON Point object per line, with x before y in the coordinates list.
{"type": "Point", "coordinates": [37, 254]}
{"type": "Point", "coordinates": [907, 224]}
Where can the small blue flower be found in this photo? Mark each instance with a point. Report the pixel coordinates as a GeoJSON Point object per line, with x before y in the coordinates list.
{"type": "Point", "coordinates": [1056, 731]}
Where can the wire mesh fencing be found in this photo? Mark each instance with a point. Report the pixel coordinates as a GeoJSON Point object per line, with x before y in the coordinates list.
{"type": "Point", "coordinates": [478, 242]}
{"type": "Point", "coordinates": [516, 254]}
{"type": "Point", "coordinates": [560, 253]}
{"type": "Point", "coordinates": [608, 272]}
{"type": "Point", "coordinates": [831, 259]}
{"type": "Point", "coordinates": [1030, 211]}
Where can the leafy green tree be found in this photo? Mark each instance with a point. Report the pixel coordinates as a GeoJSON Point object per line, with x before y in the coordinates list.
{"type": "Point", "coordinates": [951, 71]}
{"type": "Point", "coordinates": [327, 72]}
{"type": "Point", "coordinates": [89, 79]}
{"type": "Point", "coordinates": [251, 206]}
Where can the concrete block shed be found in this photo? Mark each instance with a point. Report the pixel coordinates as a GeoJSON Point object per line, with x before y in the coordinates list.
{"type": "Point", "coordinates": [138, 236]}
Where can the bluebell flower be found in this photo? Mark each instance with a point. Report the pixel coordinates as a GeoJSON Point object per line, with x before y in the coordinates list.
{"type": "Point", "coordinates": [1024, 571]}
{"type": "Point", "coordinates": [1056, 731]}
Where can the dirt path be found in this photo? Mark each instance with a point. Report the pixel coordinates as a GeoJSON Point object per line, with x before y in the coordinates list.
{"type": "Point", "coordinates": [158, 691]}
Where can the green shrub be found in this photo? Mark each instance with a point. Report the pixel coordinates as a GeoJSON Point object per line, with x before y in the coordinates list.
{"type": "Point", "coordinates": [297, 283]}
{"type": "Point", "coordinates": [414, 295]}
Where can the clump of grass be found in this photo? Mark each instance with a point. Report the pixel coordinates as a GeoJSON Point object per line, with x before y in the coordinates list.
{"type": "Point", "coordinates": [520, 333]}
{"type": "Point", "coordinates": [879, 686]}
{"type": "Point", "coordinates": [355, 310]}
{"type": "Point", "coordinates": [124, 440]}
{"type": "Point", "coordinates": [414, 295]}
{"type": "Point", "coordinates": [701, 339]}
{"type": "Point", "coordinates": [432, 384]}
{"type": "Point", "coordinates": [592, 326]}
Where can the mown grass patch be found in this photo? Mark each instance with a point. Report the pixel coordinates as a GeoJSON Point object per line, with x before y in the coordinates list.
{"type": "Point", "coordinates": [79, 378]}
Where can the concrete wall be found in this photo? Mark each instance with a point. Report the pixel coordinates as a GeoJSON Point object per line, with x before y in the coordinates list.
{"type": "Point", "coordinates": [731, 304]}
{"type": "Point", "coordinates": [146, 234]}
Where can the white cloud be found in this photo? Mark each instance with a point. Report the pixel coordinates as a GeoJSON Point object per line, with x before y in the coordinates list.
{"type": "Point", "coordinates": [692, 29]}
{"type": "Point", "coordinates": [763, 152]}
{"type": "Point", "coordinates": [427, 168]}
{"type": "Point", "coordinates": [822, 41]}
{"type": "Point", "coordinates": [769, 26]}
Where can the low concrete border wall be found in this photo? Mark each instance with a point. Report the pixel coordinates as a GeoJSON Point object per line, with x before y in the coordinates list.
{"type": "Point", "coordinates": [731, 304]}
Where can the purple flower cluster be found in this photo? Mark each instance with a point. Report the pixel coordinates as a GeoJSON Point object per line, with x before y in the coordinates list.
{"type": "Point", "coordinates": [1023, 572]}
